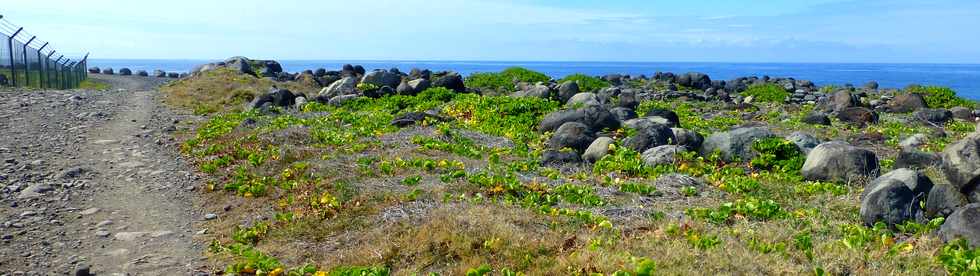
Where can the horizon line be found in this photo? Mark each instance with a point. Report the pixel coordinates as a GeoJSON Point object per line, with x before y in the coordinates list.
{"type": "Point", "coordinates": [551, 61]}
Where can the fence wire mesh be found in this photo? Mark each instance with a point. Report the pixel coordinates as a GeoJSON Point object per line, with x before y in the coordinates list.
{"type": "Point", "coordinates": [28, 61]}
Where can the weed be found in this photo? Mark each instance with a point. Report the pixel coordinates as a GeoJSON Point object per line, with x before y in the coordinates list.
{"type": "Point", "coordinates": [586, 83]}
{"type": "Point", "coordinates": [767, 93]}
{"type": "Point", "coordinates": [940, 97]}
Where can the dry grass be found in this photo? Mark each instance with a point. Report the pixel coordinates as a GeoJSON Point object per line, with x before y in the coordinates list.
{"type": "Point", "coordinates": [223, 90]}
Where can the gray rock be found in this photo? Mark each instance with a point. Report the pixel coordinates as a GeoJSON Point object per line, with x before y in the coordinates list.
{"type": "Point", "coordinates": [668, 115]}
{"type": "Point", "coordinates": [240, 64]}
{"type": "Point", "coordinates": [572, 135]}
{"type": "Point", "coordinates": [804, 141]}
{"type": "Point", "coordinates": [662, 155]}
{"type": "Point", "coordinates": [623, 114]}
{"type": "Point", "coordinates": [554, 157]}
{"type": "Point", "coordinates": [817, 118]}
{"type": "Point", "coordinates": [159, 73]}
{"type": "Point", "coordinates": [382, 78]}
{"type": "Point", "coordinates": [210, 216]}
{"type": "Point", "coordinates": [583, 99]}
{"type": "Point", "coordinates": [345, 86]}
{"type": "Point", "coordinates": [649, 136]}
{"type": "Point", "coordinates": [142, 73]}
{"type": "Point", "coordinates": [597, 118]}
{"type": "Point", "coordinates": [961, 162]}
{"type": "Point", "coordinates": [839, 161]}
{"type": "Point", "coordinates": [908, 102]}
{"type": "Point", "coordinates": [735, 144]}
{"type": "Point", "coordinates": [452, 81]}
{"type": "Point", "coordinates": [535, 91]}
{"type": "Point", "coordinates": [891, 202]}
{"type": "Point", "coordinates": [275, 97]}
{"type": "Point", "coordinates": [597, 150]}
{"type": "Point", "coordinates": [962, 113]}
{"type": "Point", "coordinates": [843, 99]}
{"type": "Point", "coordinates": [914, 141]}
{"type": "Point", "coordinates": [915, 159]}
{"type": "Point", "coordinates": [108, 71]}
{"type": "Point", "coordinates": [125, 72]}
{"type": "Point", "coordinates": [857, 115]}
{"type": "Point", "coordinates": [688, 138]}
{"type": "Point", "coordinates": [34, 190]}
{"type": "Point", "coordinates": [943, 200]}
{"type": "Point", "coordinates": [964, 223]}
{"type": "Point", "coordinates": [936, 116]}
{"type": "Point", "coordinates": [916, 181]}
{"type": "Point", "coordinates": [566, 90]}
{"type": "Point", "coordinates": [342, 99]}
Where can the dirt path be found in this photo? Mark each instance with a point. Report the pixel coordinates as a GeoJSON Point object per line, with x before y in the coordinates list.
{"type": "Point", "coordinates": [110, 192]}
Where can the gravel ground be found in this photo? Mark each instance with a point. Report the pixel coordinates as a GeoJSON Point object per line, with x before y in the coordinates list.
{"type": "Point", "coordinates": [91, 181]}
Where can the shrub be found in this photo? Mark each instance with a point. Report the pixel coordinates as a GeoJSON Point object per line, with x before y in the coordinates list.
{"type": "Point", "coordinates": [777, 154]}
{"type": "Point", "coordinates": [504, 80]}
{"type": "Point", "coordinates": [769, 93]}
{"type": "Point", "coordinates": [586, 83]}
{"type": "Point", "coordinates": [940, 97]}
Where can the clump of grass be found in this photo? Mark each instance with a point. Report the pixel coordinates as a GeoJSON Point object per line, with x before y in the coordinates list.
{"type": "Point", "coordinates": [586, 83]}
{"type": "Point", "coordinates": [778, 154]}
{"type": "Point", "coordinates": [940, 97]}
{"type": "Point", "coordinates": [505, 80]}
{"type": "Point", "coordinates": [767, 93]}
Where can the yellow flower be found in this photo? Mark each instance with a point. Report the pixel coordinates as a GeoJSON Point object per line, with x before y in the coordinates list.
{"type": "Point", "coordinates": [277, 272]}
{"type": "Point", "coordinates": [320, 273]}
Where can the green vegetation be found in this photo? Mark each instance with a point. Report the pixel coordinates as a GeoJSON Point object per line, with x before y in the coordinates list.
{"type": "Point", "coordinates": [468, 195]}
{"type": "Point", "coordinates": [504, 81]}
{"type": "Point", "coordinates": [91, 84]}
{"type": "Point", "coordinates": [940, 97]}
{"type": "Point", "coordinates": [586, 83]}
{"type": "Point", "coordinates": [767, 93]}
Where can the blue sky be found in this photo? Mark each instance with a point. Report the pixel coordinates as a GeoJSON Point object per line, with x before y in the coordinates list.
{"type": "Point", "coordinates": [939, 31]}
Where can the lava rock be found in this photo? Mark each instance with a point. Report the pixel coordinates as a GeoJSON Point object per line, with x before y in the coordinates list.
{"type": "Point", "coordinates": [915, 159]}
{"type": "Point", "coordinates": [891, 202]}
{"type": "Point", "coordinates": [583, 99]}
{"type": "Point", "coordinates": [858, 115]}
{"type": "Point", "coordinates": [943, 200]}
{"type": "Point", "coordinates": [936, 116]}
{"type": "Point", "coordinates": [650, 136]}
{"type": "Point", "coordinates": [597, 150]}
{"type": "Point", "coordinates": [452, 81]}
{"type": "Point", "coordinates": [961, 162]}
{"type": "Point", "coordinates": [908, 102]}
{"type": "Point", "coordinates": [671, 117]}
{"type": "Point", "coordinates": [964, 223]}
{"type": "Point", "coordinates": [662, 155]}
{"type": "Point", "coordinates": [839, 161]}
{"type": "Point", "coordinates": [566, 90]}
{"type": "Point", "coordinates": [572, 135]}
{"type": "Point", "coordinates": [596, 117]}
{"type": "Point", "coordinates": [817, 118]}
{"type": "Point", "coordinates": [735, 144]}
{"type": "Point", "coordinates": [804, 141]}
{"type": "Point", "coordinates": [688, 138]}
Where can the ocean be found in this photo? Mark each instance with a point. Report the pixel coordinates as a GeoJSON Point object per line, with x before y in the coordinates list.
{"type": "Point", "coordinates": [964, 78]}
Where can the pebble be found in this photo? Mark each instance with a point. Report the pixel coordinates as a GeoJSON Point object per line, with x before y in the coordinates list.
{"type": "Point", "coordinates": [102, 233]}
{"type": "Point", "coordinates": [104, 223]}
{"type": "Point", "coordinates": [89, 211]}
{"type": "Point", "coordinates": [210, 216]}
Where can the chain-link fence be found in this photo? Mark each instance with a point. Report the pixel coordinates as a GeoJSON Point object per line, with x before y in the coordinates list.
{"type": "Point", "coordinates": [27, 61]}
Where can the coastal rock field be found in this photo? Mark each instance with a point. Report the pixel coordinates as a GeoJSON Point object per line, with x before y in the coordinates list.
{"type": "Point", "coordinates": [356, 172]}
{"type": "Point", "coordinates": [418, 172]}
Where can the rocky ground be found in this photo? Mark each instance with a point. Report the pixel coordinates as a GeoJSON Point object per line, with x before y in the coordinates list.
{"type": "Point", "coordinates": [91, 183]}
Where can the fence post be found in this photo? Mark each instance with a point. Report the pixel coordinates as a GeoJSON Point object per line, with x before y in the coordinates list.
{"type": "Point", "coordinates": [10, 46]}
{"type": "Point", "coordinates": [41, 71]}
{"type": "Point", "coordinates": [57, 75]}
{"type": "Point", "coordinates": [27, 63]}
{"type": "Point", "coordinates": [47, 67]}
{"type": "Point", "coordinates": [71, 75]}
{"type": "Point", "coordinates": [64, 77]}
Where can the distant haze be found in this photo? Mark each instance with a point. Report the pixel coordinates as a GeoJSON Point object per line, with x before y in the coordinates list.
{"type": "Point", "coordinates": [890, 31]}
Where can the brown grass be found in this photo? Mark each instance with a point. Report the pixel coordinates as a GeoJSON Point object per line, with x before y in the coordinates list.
{"type": "Point", "coordinates": [223, 90]}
